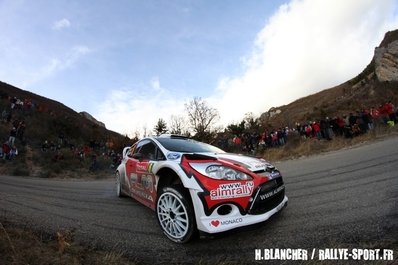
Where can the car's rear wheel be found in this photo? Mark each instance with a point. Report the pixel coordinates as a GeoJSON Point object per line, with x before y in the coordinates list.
{"type": "Point", "coordinates": [119, 191]}
{"type": "Point", "coordinates": [175, 214]}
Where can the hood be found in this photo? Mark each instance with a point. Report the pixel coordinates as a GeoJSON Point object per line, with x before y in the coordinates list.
{"type": "Point", "coordinates": [251, 163]}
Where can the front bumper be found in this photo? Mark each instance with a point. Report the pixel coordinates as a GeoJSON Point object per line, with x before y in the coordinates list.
{"type": "Point", "coordinates": [216, 223]}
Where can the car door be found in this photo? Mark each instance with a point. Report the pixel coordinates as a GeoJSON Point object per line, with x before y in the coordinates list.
{"type": "Point", "coordinates": [139, 169]}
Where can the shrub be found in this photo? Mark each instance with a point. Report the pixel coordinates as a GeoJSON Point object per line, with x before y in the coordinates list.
{"type": "Point", "coordinates": [21, 171]}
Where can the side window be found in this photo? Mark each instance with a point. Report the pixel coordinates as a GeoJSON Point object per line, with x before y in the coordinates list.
{"type": "Point", "coordinates": [138, 146]}
{"type": "Point", "coordinates": [148, 150]}
{"type": "Point", "coordinates": [159, 155]}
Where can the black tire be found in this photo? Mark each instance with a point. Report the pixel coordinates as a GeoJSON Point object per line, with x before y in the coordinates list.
{"type": "Point", "coordinates": [119, 185]}
{"type": "Point", "coordinates": [175, 214]}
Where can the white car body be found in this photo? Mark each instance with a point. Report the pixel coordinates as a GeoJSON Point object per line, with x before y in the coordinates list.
{"type": "Point", "coordinates": [214, 191]}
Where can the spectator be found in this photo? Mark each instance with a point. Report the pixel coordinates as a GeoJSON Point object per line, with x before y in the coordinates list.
{"type": "Point", "coordinates": [13, 152]}
{"type": "Point", "coordinates": [316, 129]}
{"type": "Point", "coordinates": [352, 120]}
{"type": "Point", "coordinates": [281, 138]}
{"type": "Point", "coordinates": [308, 131]}
{"type": "Point", "coordinates": [391, 111]}
{"type": "Point", "coordinates": [13, 101]}
{"type": "Point", "coordinates": [237, 141]}
{"type": "Point", "coordinates": [274, 136]}
{"type": "Point", "coordinates": [94, 163]}
{"type": "Point", "coordinates": [9, 117]}
{"type": "Point", "coordinates": [325, 126]}
{"type": "Point", "coordinates": [362, 123]}
{"type": "Point", "coordinates": [21, 130]}
{"type": "Point", "coordinates": [13, 134]}
{"type": "Point", "coordinates": [367, 118]}
{"type": "Point", "coordinates": [4, 116]}
{"type": "Point", "coordinates": [383, 109]}
{"type": "Point", "coordinates": [45, 146]}
{"type": "Point", "coordinates": [375, 116]}
{"type": "Point", "coordinates": [61, 138]}
{"type": "Point", "coordinates": [6, 150]}
{"type": "Point", "coordinates": [53, 147]}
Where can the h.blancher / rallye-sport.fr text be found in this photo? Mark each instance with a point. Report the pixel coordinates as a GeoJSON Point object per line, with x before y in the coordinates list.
{"type": "Point", "coordinates": [193, 186]}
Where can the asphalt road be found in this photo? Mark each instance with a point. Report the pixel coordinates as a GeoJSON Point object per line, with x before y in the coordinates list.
{"type": "Point", "coordinates": [340, 199]}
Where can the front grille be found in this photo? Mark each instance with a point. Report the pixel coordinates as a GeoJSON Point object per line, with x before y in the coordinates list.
{"type": "Point", "coordinates": [267, 196]}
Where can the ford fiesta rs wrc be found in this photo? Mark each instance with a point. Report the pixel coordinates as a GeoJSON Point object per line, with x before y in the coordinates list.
{"type": "Point", "coordinates": [193, 186]}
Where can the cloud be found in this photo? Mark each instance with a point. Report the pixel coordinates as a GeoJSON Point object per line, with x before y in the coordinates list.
{"type": "Point", "coordinates": [75, 55]}
{"type": "Point", "coordinates": [55, 65]}
{"type": "Point", "coordinates": [155, 84]}
{"type": "Point", "coordinates": [306, 46]}
{"type": "Point", "coordinates": [61, 24]}
{"type": "Point", "coordinates": [131, 110]}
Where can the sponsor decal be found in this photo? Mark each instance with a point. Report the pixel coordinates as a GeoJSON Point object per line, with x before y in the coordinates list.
{"type": "Point", "coordinates": [258, 165]}
{"type": "Point", "coordinates": [150, 167]}
{"type": "Point", "coordinates": [271, 193]}
{"type": "Point", "coordinates": [274, 175]}
{"type": "Point", "coordinates": [142, 167]}
{"type": "Point", "coordinates": [232, 190]}
{"type": "Point", "coordinates": [217, 223]}
{"type": "Point", "coordinates": [133, 178]}
{"type": "Point", "coordinates": [146, 181]}
{"type": "Point", "coordinates": [143, 194]}
{"type": "Point", "coordinates": [145, 167]}
{"type": "Point", "coordinates": [173, 156]}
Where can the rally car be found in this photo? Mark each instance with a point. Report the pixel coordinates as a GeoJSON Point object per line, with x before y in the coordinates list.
{"type": "Point", "coordinates": [193, 186]}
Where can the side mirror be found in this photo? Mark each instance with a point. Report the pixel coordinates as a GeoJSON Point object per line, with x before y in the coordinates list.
{"type": "Point", "coordinates": [126, 151]}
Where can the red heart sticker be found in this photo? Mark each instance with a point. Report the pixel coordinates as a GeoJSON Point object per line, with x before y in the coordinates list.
{"type": "Point", "coordinates": [215, 223]}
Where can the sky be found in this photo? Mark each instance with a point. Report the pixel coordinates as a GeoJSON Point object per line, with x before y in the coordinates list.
{"type": "Point", "coordinates": [131, 62]}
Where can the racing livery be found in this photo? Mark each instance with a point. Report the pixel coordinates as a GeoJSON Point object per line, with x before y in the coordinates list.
{"type": "Point", "coordinates": [193, 186]}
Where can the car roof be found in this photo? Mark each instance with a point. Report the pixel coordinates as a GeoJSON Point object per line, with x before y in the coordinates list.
{"type": "Point", "coordinates": [176, 136]}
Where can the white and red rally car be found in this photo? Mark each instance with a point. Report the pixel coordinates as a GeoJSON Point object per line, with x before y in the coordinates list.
{"type": "Point", "coordinates": [195, 186]}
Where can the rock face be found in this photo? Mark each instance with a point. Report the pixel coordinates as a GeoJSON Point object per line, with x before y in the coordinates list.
{"type": "Point", "coordinates": [91, 118]}
{"type": "Point", "coordinates": [386, 58]}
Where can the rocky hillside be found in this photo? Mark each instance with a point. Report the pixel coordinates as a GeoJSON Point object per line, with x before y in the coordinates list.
{"type": "Point", "coordinates": [52, 139]}
{"type": "Point", "coordinates": [386, 58]}
{"type": "Point", "coordinates": [377, 84]}
{"type": "Point", "coordinates": [91, 118]}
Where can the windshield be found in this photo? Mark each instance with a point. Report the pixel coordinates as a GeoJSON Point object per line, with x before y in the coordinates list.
{"type": "Point", "coordinates": [185, 145]}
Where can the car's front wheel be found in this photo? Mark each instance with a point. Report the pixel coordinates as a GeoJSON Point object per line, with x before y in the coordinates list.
{"type": "Point", "coordinates": [175, 214]}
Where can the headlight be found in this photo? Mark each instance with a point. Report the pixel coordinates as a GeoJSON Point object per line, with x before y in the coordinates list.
{"type": "Point", "coordinates": [218, 171]}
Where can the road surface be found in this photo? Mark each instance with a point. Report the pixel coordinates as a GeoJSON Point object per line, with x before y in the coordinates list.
{"type": "Point", "coordinates": [346, 198]}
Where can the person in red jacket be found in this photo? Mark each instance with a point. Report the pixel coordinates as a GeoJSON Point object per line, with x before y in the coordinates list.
{"type": "Point", "coordinates": [316, 129]}
{"type": "Point", "coordinates": [6, 150]}
{"type": "Point", "coordinates": [375, 114]}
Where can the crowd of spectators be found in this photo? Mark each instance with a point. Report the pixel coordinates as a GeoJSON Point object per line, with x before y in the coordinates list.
{"type": "Point", "coordinates": [8, 149]}
{"type": "Point", "coordinates": [348, 126]}
{"type": "Point", "coordinates": [57, 147]}
{"type": "Point", "coordinates": [17, 126]}
{"type": "Point", "coordinates": [82, 152]}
